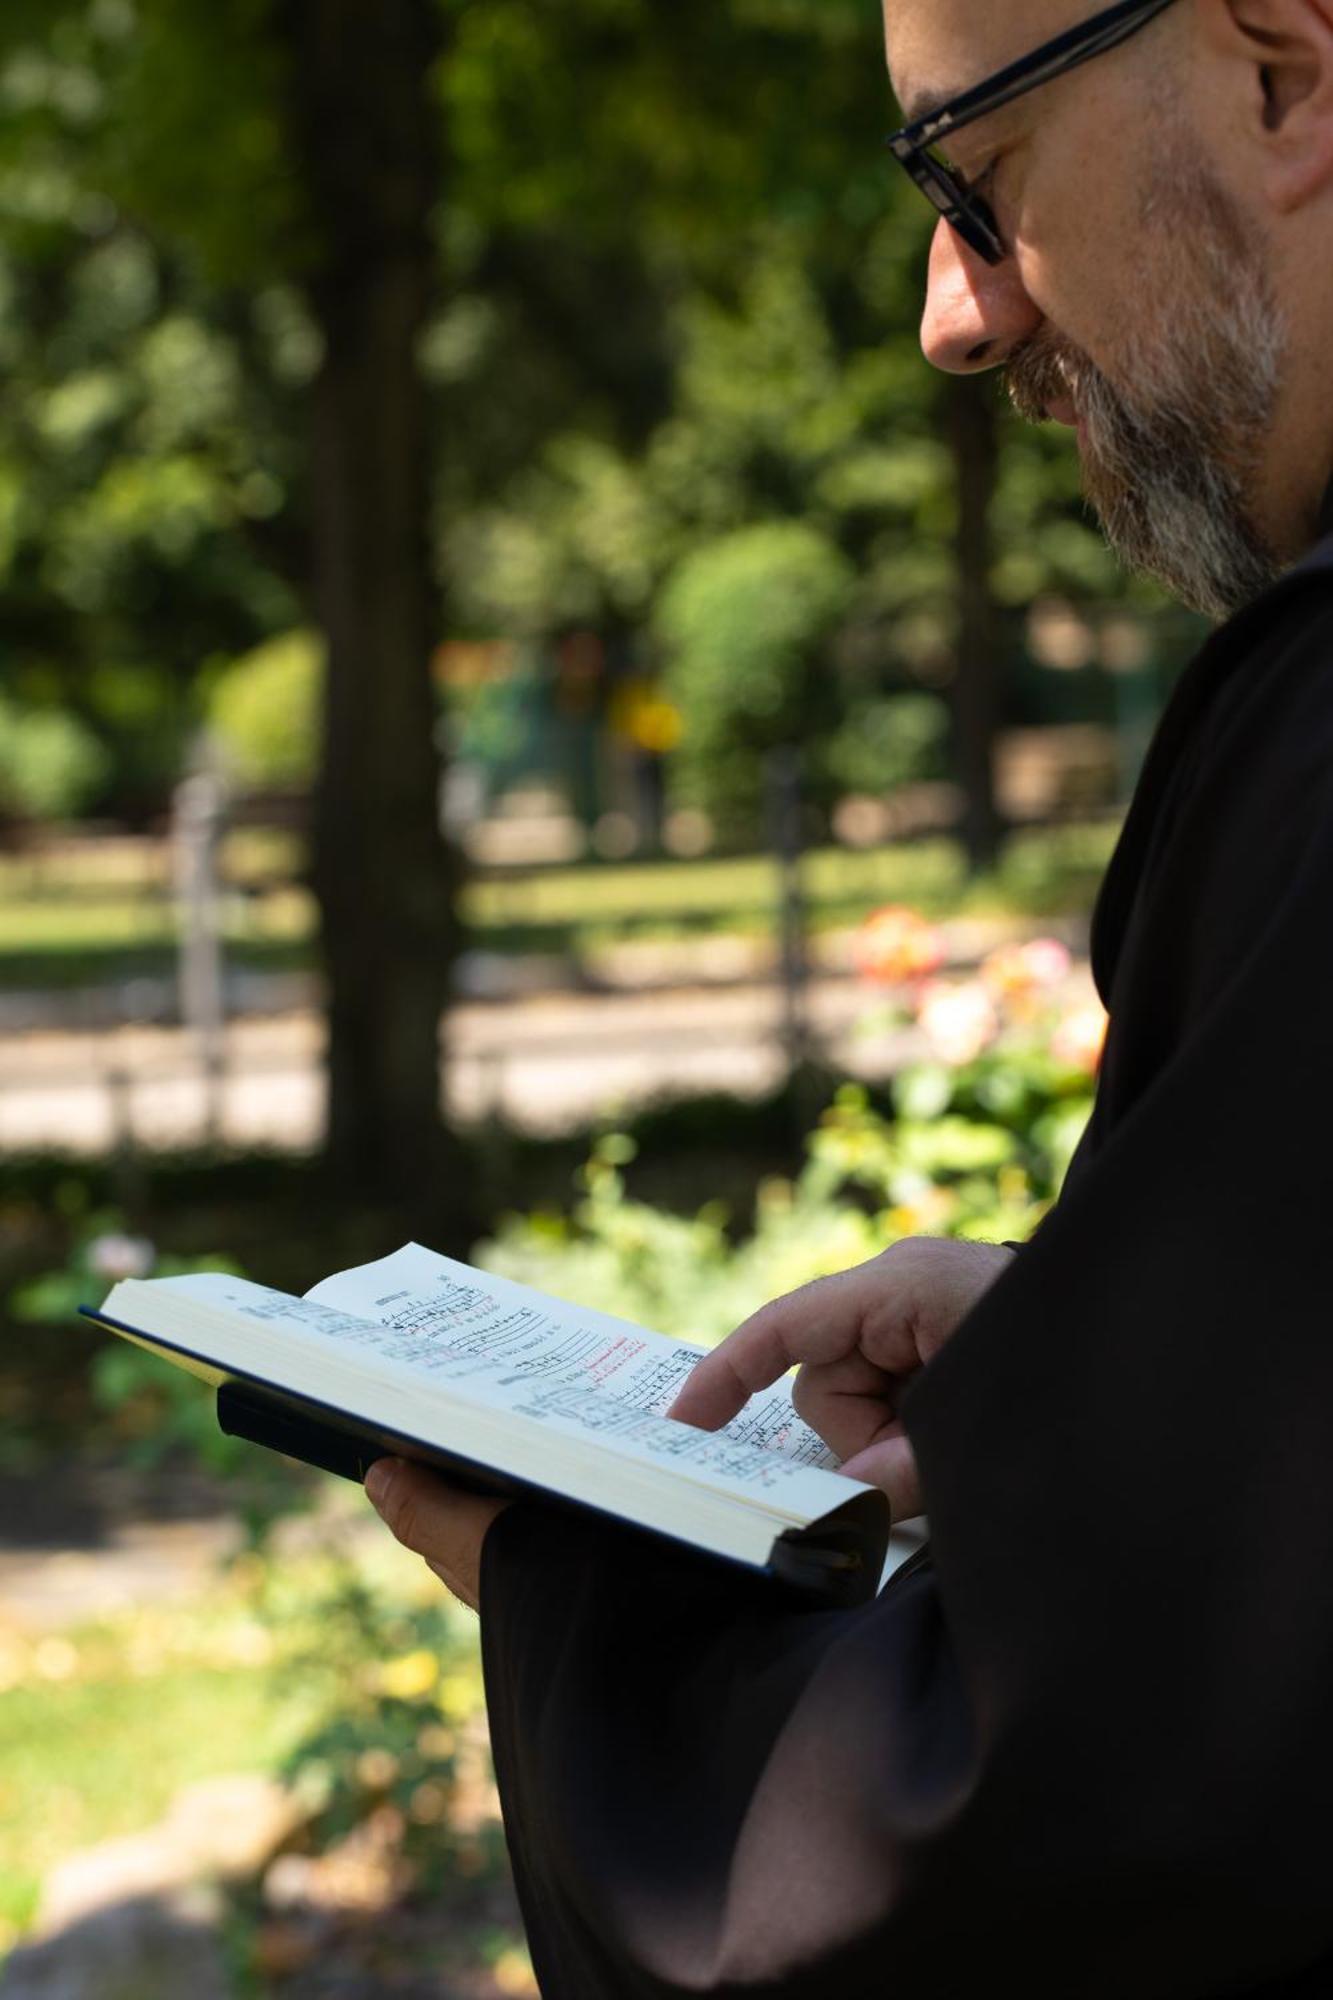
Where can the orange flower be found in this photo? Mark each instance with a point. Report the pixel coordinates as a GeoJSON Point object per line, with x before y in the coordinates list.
{"type": "Point", "coordinates": [895, 946]}
{"type": "Point", "coordinates": [1081, 1037]}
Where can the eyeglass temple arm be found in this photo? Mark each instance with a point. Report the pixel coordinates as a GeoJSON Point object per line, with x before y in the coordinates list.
{"type": "Point", "coordinates": [1066, 52]}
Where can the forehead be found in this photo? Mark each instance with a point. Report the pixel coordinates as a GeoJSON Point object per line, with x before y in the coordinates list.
{"type": "Point", "coordinates": [939, 48]}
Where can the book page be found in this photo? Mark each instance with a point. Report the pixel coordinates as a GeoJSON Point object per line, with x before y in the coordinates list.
{"type": "Point", "coordinates": [442, 1314]}
{"type": "Point", "coordinates": [495, 1351]}
{"type": "Point", "coordinates": [304, 1318]}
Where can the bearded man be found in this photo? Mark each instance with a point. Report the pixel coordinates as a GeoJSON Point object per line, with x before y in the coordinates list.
{"type": "Point", "coordinates": [1084, 1739]}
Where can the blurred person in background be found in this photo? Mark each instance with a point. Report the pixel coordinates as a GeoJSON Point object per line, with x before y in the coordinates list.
{"type": "Point", "coordinates": [1084, 1738]}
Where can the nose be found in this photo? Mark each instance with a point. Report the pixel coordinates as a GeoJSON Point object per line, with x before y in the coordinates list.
{"type": "Point", "coordinates": [976, 313]}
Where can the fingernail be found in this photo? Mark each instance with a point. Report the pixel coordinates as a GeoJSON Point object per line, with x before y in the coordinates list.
{"type": "Point", "coordinates": [379, 1479]}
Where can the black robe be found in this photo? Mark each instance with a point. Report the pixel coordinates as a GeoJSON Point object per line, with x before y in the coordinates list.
{"type": "Point", "coordinates": [1085, 1739]}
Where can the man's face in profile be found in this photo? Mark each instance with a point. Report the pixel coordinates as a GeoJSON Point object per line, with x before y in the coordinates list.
{"type": "Point", "coordinates": [1135, 299]}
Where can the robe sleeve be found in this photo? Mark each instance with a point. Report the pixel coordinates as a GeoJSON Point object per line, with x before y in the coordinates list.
{"type": "Point", "coordinates": [1086, 1738]}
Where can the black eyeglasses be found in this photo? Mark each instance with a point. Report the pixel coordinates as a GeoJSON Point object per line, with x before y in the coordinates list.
{"type": "Point", "coordinates": [962, 208]}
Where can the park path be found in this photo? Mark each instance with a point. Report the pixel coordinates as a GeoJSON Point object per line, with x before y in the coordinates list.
{"type": "Point", "coordinates": [546, 1062]}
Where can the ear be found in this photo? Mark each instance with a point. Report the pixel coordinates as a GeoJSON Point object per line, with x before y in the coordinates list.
{"type": "Point", "coordinates": [1285, 48]}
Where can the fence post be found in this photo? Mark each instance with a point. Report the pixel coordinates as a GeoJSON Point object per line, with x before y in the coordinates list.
{"type": "Point", "coordinates": [783, 774]}
{"type": "Point", "coordinates": [197, 811]}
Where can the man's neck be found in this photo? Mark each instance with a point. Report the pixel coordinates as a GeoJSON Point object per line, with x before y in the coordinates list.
{"type": "Point", "coordinates": [1325, 527]}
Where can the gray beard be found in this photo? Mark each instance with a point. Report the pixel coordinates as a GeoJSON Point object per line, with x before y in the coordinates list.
{"type": "Point", "coordinates": [1170, 463]}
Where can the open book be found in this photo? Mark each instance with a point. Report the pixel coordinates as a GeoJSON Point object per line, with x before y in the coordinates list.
{"type": "Point", "coordinates": [512, 1392]}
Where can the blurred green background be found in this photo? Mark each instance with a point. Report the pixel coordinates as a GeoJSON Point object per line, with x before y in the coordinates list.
{"type": "Point", "coordinates": [528, 718]}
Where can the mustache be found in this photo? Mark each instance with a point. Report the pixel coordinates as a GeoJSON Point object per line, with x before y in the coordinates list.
{"type": "Point", "coordinates": [1046, 370]}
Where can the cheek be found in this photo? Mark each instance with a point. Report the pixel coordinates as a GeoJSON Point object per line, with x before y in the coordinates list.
{"type": "Point", "coordinates": [1073, 266]}
{"type": "Point", "coordinates": [1083, 251]}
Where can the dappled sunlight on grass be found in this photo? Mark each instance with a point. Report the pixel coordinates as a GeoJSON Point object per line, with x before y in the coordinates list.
{"type": "Point", "coordinates": [345, 1672]}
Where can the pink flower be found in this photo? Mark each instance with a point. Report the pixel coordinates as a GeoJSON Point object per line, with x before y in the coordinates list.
{"type": "Point", "coordinates": [959, 1020]}
{"type": "Point", "coordinates": [1025, 970]}
{"type": "Point", "coordinates": [114, 1257]}
{"type": "Point", "coordinates": [895, 946]}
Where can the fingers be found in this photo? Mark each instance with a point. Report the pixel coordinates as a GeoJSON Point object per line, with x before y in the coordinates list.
{"type": "Point", "coordinates": [820, 1322]}
{"type": "Point", "coordinates": [898, 1309]}
{"type": "Point", "coordinates": [720, 1385]}
{"type": "Point", "coordinates": [435, 1520]}
{"type": "Point", "coordinates": [849, 1401]}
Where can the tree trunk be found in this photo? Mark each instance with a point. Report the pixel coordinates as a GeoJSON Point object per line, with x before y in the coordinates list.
{"type": "Point", "coordinates": [976, 689]}
{"type": "Point", "coordinates": [366, 124]}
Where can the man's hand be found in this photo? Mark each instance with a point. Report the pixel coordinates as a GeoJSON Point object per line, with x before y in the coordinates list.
{"type": "Point", "coordinates": [860, 1337]}
{"type": "Point", "coordinates": [436, 1520]}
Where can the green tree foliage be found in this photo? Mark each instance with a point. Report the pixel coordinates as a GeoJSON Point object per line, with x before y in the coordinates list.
{"type": "Point", "coordinates": [773, 309]}
{"type": "Point", "coordinates": [137, 487]}
{"type": "Point", "coordinates": [681, 284]}
{"type": "Point", "coordinates": [883, 743]}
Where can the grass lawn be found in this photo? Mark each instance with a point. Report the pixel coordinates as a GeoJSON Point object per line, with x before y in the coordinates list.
{"type": "Point", "coordinates": [84, 1761]}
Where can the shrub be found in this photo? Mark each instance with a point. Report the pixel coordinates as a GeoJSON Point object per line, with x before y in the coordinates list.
{"type": "Point", "coordinates": [978, 1152]}
{"type": "Point", "coordinates": [51, 764]}
{"type": "Point", "coordinates": [265, 711]}
{"type": "Point", "coordinates": [746, 624]}
{"type": "Point", "coordinates": [975, 1142]}
{"type": "Point", "coordinates": [155, 1410]}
